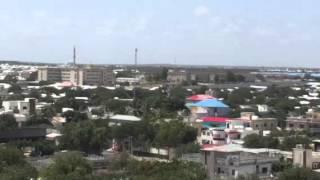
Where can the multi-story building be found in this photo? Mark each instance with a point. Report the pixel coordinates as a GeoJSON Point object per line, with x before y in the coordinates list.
{"type": "Point", "coordinates": [177, 76]}
{"type": "Point", "coordinates": [98, 76]}
{"type": "Point", "coordinates": [49, 74]}
{"type": "Point", "coordinates": [231, 161]}
{"type": "Point", "coordinates": [258, 123]}
{"type": "Point", "coordinates": [77, 76]}
{"type": "Point", "coordinates": [26, 107]}
{"type": "Point", "coordinates": [310, 122]}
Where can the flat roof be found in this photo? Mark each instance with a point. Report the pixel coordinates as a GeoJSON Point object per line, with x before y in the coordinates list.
{"type": "Point", "coordinates": [120, 117]}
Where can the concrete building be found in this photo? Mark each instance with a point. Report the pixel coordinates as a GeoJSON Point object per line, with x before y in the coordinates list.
{"type": "Point", "coordinates": [257, 123]}
{"type": "Point", "coordinates": [177, 76]}
{"type": "Point", "coordinates": [310, 122]}
{"type": "Point", "coordinates": [98, 76]}
{"type": "Point", "coordinates": [26, 107]}
{"type": "Point", "coordinates": [305, 157]}
{"type": "Point", "coordinates": [231, 161]}
{"type": "Point", "coordinates": [49, 74]}
{"type": "Point", "coordinates": [216, 136]}
{"type": "Point", "coordinates": [77, 76]}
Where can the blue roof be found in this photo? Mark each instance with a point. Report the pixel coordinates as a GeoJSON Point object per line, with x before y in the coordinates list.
{"type": "Point", "coordinates": [214, 103]}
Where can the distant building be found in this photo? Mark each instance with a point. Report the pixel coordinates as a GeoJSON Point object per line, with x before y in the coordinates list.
{"type": "Point", "coordinates": [77, 76]}
{"type": "Point", "coordinates": [60, 74]}
{"type": "Point", "coordinates": [26, 107]}
{"type": "Point", "coordinates": [310, 122]}
{"type": "Point", "coordinates": [204, 77]}
{"type": "Point", "coordinates": [258, 123]}
{"type": "Point", "coordinates": [23, 134]}
{"type": "Point", "coordinates": [263, 108]}
{"type": "Point", "coordinates": [177, 76]}
{"type": "Point", "coordinates": [98, 76]}
{"type": "Point", "coordinates": [231, 161]}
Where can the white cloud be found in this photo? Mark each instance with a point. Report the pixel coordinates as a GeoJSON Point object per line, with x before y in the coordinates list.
{"type": "Point", "coordinates": [201, 11]}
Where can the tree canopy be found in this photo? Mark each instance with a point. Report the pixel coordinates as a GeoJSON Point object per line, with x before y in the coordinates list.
{"type": "Point", "coordinates": [68, 166]}
{"type": "Point", "coordinates": [13, 166]}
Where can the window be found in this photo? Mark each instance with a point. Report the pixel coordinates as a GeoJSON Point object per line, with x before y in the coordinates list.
{"type": "Point", "coordinates": [233, 172]}
{"type": "Point", "coordinates": [265, 124]}
{"type": "Point", "coordinates": [257, 125]}
{"type": "Point", "coordinates": [24, 107]}
{"type": "Point", "coordinates": [291, 125]}
{"type": "Point", "coordinates": [301, 126]}
{"type": "Point", "coordinates": [257, 168]}
{"type": "Point", "coordinates": [219, 170]}
{"type": "Point", "coordinates": [264, 170]}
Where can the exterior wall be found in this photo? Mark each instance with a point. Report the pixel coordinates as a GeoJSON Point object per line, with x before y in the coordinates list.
{"type": "Point", "coordinates": [53, 74]}
{"type": "Point", "coordinates": [98, 76]}
{"type": "Point", "coordinates": [22, 106]}
{"type": "Point", "coordinates": [302, 157]}
{"type": "Point", "coordinates": [264, 124]}
{"type": "Point", "coordinates": [42, 75]}
{"type": "Point", "coordinates": [78, 76]}
{"type": "Point", "coordinates": [177, 77]}
{"type": "Point", "coordinates": [49, 74]}
{"type": "Point", "coordinates": [303, 124]}
{"type": "Point", "coordinates": [233, 164]}
{"type": "Point", "coordinates": [212, 136]}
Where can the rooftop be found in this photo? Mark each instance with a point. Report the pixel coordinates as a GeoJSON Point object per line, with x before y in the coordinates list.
{"type": "Point", "coordinates": [120, 117]}
{"type": "Point", "coordinates": [211, 103]}
{"type": "Point", "coordinates": [199, 97]}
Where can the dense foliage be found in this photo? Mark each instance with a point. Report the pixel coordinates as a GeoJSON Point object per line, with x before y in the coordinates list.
{"type": "Point", "coordinates": [288, 142]}
{"type": "Point", "coordinates": [68, 166]}
{"type": "Point", "coordinates": [13, 166]}
{"type": "Point", "coordinates": [298, 173]}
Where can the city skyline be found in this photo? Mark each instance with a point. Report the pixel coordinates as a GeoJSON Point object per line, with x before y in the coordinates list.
{"type": "Point", "coordinates": [201, 32]}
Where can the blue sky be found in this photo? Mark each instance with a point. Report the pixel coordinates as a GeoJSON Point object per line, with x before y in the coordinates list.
{"type": "Point", "coordinates": [213, 32]}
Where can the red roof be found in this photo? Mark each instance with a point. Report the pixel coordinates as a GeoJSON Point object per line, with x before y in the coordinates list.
{"type": "Point", "coordinates": [215, 119]}
{"type": "Point", "coordinates": [200, 97]}
{"type": "Point", "coordinates": [67, 84]}
{"type": "Point", "coordinates": [209, 145]}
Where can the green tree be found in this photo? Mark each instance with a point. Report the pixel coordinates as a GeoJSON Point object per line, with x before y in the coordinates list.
{"type": "Point", "coordinates": [174, 133]}
{"type": "Point", "coordinates": [7, 122]}
{"type": "Point", "coordinates": [290, 142]}
{"type": "Point", "coordinates": [298, 173]}
{"type": "Point", "coordinates": [68, 166]}
{"type": "Point", "coordinates": [164, 74]}
{"type": "Point", "coordinates": [258, 141]}
{"type": "Point", "coordinates": [231, 77]}
{"type": "Point", "coordinates": [15, 88]}
{"type": "Point", "coordinates": [86, 136]}
{"type": "Point", "coordinates": [13, 166]}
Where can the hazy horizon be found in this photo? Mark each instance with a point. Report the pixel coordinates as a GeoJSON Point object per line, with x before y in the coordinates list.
{"type": "Point", "coordinates": [199, 32]}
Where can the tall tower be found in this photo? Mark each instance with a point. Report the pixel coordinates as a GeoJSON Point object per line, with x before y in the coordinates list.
{"type": "Point", "coordinates": [74, 55]}
{"type": "Point", "coordinates": [136, 59]}
{"type": "Point", "coordinates": [135, 70]}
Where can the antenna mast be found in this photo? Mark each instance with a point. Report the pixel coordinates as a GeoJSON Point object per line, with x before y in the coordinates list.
{"type": "Point", "coordinates": [74, 55]}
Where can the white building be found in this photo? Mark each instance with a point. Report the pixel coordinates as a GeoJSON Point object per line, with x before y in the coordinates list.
{"type": "Point", "coordinates": [214, 136]}
{"type": "Point", "coordinates": [231, 161]}
{"type": "Point", "coordinates": [263, 108]}
{"type": "Point", "coordinates": [26, 107]}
